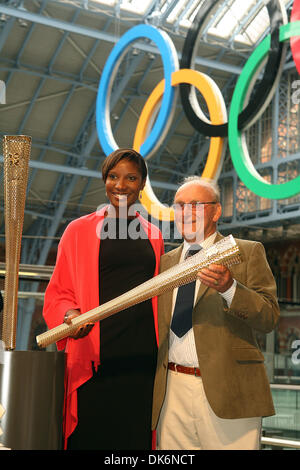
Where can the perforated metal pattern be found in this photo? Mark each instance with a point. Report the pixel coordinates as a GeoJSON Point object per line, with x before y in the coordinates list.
{"type": "Point", "coordinates": [16, 153]}
{"type": "Point", "coordinates": [225, 252]}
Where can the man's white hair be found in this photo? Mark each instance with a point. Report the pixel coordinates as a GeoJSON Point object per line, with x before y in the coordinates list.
{"type": "Point", "coordinates": [205, 182]}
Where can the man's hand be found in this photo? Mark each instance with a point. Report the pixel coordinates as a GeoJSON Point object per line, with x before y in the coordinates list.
{"type": "Point", "coordinates": [82, 330]}
{"type": "Point", "coordinates": [216, 276]}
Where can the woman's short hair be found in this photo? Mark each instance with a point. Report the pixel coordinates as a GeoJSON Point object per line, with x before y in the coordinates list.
{"type": "Point", "coordinates": [120, 154]}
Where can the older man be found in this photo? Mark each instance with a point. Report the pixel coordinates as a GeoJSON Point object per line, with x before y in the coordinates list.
{"type": "Point", "coordinates": [211, 389]}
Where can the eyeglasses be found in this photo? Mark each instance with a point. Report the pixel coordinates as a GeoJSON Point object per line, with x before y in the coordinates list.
{"type": "Point", "coordinates": [181, 206]}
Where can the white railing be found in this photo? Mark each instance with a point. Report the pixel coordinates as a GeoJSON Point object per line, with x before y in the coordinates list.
{"type": "Point", "coordinates": [294, 444]}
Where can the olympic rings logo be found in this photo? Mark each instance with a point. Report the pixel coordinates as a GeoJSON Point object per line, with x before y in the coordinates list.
{"type": "Point", "coordinates": [243, 114]}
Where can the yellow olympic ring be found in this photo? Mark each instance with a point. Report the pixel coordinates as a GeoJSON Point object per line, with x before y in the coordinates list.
{"type": "Point", "coordinates": [218, 115]}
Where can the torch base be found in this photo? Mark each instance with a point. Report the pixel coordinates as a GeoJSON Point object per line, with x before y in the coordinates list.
{"type": "Point", "coordinates": [32, 395]}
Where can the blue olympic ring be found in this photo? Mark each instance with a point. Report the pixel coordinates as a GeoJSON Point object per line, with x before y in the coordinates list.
{"type": "Point", "coordinates": [170, 65]}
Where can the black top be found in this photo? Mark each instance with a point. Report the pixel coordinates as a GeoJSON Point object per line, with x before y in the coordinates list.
{"type": "Point", "coordinates": [124, 263]}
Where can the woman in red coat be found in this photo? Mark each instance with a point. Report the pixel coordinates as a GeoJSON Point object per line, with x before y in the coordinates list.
{"type": "Point", "coordinates": [111, 364]}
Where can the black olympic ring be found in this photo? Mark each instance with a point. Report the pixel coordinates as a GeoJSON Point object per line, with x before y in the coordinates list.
{"type": "Point", "coordinates": [260, 94]}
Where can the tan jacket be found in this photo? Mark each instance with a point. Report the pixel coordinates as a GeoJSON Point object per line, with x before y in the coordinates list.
{"type": "Point", "coordinates": [231, 364]}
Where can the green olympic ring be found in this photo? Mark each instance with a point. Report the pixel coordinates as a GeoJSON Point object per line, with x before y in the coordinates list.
{"type": "Point", "coordinates": [237, 143]}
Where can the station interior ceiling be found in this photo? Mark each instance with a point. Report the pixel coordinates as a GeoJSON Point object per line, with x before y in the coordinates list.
{"type": "Point", "coordinates": [52, 54]}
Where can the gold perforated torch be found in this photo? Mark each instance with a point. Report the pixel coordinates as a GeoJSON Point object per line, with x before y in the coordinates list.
{"type": "Point", "coordinates": [16, 154]}
{"type": "Point", "coordinates": [225, 252]}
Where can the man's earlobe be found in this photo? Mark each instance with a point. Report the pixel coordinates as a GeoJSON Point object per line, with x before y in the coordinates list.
{"type": "Point", "coordinates": [218, 213]}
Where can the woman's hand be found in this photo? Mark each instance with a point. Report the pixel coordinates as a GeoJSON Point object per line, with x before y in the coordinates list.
{"type": "Point", "coordinates": [81, 330]}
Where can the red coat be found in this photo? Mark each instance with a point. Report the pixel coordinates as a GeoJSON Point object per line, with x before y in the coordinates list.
{"type": "Point", "coordinates": [75, 284]}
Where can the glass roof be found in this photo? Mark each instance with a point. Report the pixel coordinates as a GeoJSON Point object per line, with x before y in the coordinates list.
{"type": "Point", "coordinates": [242, 21]}
{"type": "Point", "coordinates": [134, 6]}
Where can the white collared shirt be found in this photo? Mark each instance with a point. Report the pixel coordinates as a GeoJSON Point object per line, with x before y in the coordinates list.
{"type": "Point", "coordinates": [183, 350]}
